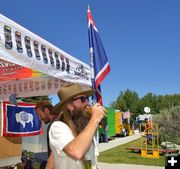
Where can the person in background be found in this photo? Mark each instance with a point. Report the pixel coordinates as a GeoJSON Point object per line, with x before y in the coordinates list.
{"type": "Point", "coordinates": [148, 130]}
{"type": "Point", "coordinates": [44, 112]}
{"type": "Point", "coordinates": [71, 138]}
{"type": "Point", "coordinates": [106, 130]}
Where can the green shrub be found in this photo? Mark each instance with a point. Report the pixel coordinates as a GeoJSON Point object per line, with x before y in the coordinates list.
{"type": "Point", "coordinates": [168, 122]}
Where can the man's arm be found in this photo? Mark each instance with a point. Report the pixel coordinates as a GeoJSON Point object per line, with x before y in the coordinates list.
{"type": "Point", "coordinates": [50, 162]}
{"type": "Point", "coordinates": [80, 144]}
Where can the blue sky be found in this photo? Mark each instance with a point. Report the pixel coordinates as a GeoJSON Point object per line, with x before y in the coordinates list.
{"type": "Point", "coordinates": [141, 38]}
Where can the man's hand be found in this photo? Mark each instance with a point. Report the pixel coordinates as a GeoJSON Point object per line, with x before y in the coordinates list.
{"type": "Point", "coordinates": [98, 112]}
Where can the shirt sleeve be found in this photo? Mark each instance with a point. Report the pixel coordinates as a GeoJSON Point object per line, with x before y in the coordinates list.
{"type": "Point", "coordinates": [60, 135]}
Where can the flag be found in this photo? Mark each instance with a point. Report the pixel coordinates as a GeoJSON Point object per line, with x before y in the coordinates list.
{"type": "Point", "coordinates": [99, 63]}
{"type": "Point", "coordinates": [20, 120]}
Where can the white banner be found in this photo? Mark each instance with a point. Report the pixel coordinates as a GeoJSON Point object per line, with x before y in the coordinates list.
{"type": "Point", "coordinates": [20, 46]}
{"type": "Point", "coordinates": [31, 87]}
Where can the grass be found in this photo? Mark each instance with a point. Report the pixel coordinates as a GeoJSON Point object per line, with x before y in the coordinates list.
{"type": "Point", "coordinates": [121, 155]}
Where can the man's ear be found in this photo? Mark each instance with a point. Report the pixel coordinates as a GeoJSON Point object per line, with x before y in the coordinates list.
{"type": "Point", "coordinates": [46, 110]}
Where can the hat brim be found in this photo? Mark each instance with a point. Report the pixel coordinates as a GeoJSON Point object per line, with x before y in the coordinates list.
{"type": "Point", "coordinates": [59, 105]}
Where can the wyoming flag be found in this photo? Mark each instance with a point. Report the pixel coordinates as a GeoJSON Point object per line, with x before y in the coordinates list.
{"type": "Point", "coordinates": [20, 120]}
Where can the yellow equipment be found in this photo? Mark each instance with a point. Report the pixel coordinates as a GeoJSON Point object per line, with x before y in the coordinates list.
{"type": "Point", "coordinates": [118, 121]}
{"type": "Point", "coordinates": [122, 125]}
{"type": "Point", "coordinates": [149, 141]}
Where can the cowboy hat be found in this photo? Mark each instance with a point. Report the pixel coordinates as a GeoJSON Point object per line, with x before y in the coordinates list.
{"type": "Point", "coordinates": [69, 91]}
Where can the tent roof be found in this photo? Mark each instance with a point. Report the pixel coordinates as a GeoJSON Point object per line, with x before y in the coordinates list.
{"type": "Point", "coordinates": [31, 66]}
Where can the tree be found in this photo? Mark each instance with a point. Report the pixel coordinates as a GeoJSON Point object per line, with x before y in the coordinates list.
{"type": "Point", "coordinates": [127, 101]}
{"type": "Point", "coordinates": [168, 101]}
{"type": "Point", "coordinates": [149, 100]}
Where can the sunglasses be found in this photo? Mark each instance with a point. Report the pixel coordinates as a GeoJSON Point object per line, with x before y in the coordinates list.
{"type": "Point", "coordinates": [82, 98]}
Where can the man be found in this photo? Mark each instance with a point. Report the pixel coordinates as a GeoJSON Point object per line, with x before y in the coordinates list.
{"type": "Point", "coordinates": [44, 112]}
{"type": "Point", "coordinates": [71, 140]}
{"type": "Point", "coordinates": [148, 130]}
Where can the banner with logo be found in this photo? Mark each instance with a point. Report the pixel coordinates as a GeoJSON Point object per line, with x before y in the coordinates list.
{"type": "Point", "coordinates": [20, 120]}
{"type": "Point", "coordinates": [22, 49]}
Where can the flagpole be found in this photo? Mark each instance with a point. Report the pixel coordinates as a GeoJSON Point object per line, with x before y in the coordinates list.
{"type": "Point", "coordinates": [94, 99]}
{"type": "Point", "coordinates": [99, 66]}
{"type": "Point", "coordinates": [92, 68]}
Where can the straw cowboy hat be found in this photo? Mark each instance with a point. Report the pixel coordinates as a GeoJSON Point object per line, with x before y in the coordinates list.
{"type": "Point", "coordinates": [69, 91]}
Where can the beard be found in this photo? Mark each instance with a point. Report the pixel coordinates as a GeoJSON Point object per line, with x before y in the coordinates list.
{"type": "Point", "coordinates": [80, 119]}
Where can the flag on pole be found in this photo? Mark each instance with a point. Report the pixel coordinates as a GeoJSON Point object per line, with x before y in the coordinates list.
{"type": "Point", "coordinates": [20, 120]}
{"type": "Point", "coordinates": [99, 63]}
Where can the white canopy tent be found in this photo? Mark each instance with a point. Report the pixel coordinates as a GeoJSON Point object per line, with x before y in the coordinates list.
{"type": "Point", "coordinates": [31, 66]}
